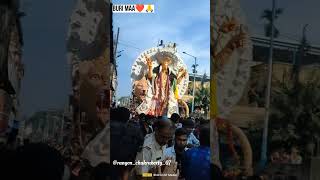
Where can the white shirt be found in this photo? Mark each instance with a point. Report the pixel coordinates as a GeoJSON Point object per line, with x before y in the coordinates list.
{"type": "Point", "coordinates": [178, 125]}
{"type": "Point", "coordinates": [193, 140]}
{"type": "Point", "coordinates": [151, 151]}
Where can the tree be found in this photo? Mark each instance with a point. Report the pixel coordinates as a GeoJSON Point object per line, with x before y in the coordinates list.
{"type": "Point", "coordinates": [267, 15]}
{"type": "Point", "coordinates": [202, 95]}
{"type": "Point", "coordinates": [295, 115]}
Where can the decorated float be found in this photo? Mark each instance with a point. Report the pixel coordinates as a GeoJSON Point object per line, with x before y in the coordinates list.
{"type": "Point", "coordinates": [231, 53]}
{"type": "Point", "coordinates": [160, 80]}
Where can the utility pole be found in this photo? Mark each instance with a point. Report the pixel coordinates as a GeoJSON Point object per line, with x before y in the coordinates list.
{"type": "Point", "coordinates": [115, 55]}
{"type": "Point", "coordinates": [194, 80]}
{"type": "Point", "coordinates": [264, 147]}
{"type": "Point", "coordinates": [302, 51]}
{"type": "Point", "coordinates": [62, 125]}
{"type": "Point", "coordinates": [116, 42]}
{"type": "Point", "coordinates": [194, 66]}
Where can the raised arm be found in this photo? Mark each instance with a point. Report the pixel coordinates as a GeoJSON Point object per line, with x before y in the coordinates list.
{"type": "Point", "coordinates": [221, 58]}
{"type": "Point", "coordinates": [181, 74]}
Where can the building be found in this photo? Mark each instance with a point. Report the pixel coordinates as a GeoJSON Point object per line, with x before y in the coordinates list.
{"type": "Point", "coordinates": [46, 125]}
{"type": "Point", "coordinates": [124, 102]}
{"type": "Point", "coordinates": [286, 58]}
{"type": "Point", "coordinates": [198, 80]}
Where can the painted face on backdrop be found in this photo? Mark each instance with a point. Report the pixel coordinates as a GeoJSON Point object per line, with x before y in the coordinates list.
{"type": "Point", "coordinates": [103, 106]}
{"type": "Point", "coordinates": [93, 81]}
{"type": "Point", "coordinates": [95, 71]}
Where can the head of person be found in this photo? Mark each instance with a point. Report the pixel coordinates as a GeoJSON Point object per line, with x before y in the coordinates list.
{"type": "Point", "coordinates": [142, 117]}
{"type": "Point", "coordinates": [122, 114]}
{"type": "Point", "coordinates": [203, 121]}
{"type": "Point", "coordinates": [204, 136]}
{"type": "Point", "coordinates": [188, 124]}
{"type": "Point", "coordinates": [164, 130]}
{"type": "Point", "coordinates": [126, 140]}
{"type": "Point", "coordinates": [181, 138]}
{"type": "Point", "coordinates": [38, 161]}
{"type": "Point", "coordinates": [197, 109]}
{"type": "Point", "coordinates": [149, 120]}
{"type": "Point", "coordinates": [175, 118]}
{"type": "Point", "coordinates": [294, 151]}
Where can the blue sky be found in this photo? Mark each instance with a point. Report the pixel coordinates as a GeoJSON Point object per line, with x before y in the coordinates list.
{"type": "Point", "coordinates": [46, 83]}
{"type": "Point", "coordinates": [296, 14]}
{"type": "Point", "coordinates": [186, 23]}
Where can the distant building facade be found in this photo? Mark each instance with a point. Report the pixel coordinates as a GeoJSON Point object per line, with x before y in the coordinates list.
{"type": "Point", "coordinates": [250, 108]}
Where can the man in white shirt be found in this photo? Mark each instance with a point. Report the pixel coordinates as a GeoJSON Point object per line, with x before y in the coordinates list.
{"type": "Point", "coordinates": [154, 145]}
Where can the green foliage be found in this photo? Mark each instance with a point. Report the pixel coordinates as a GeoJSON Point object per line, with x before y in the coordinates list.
{"type": "Point", "coordinates": [295, 114]}
{"type": "Point", "coordinates": [202, 94]}
{"type": "Point", "coordinates": [267, 14]}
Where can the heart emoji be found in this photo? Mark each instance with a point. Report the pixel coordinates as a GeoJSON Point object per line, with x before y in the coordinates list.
{"type": "Point", "coordinates": [139, 7]}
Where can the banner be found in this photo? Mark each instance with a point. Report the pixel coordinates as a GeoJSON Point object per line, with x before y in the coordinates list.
{"type": "Point", "coordinates": [231, 54]}
{"type": "Point", "coordinates": [89, 53]}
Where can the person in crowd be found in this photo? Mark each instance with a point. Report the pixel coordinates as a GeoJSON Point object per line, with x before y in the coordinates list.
{"type": "Point", "coordinates": [196, 161]}
{"type": "Point", "coordinates": [192, 140]}
{"type": "Point", "coordinates": [197, 113]}
{"type": "Point", "coordinates": [175, 118]}
{"type": "Point", "coordinates": [145, 124]}
{"type": "Point", "coordinates": [284, 157]}
{"type": "Point", "coordinates": [154, 145]}
{"type": "Point", "coordinates": [121, 114]}
{"type": "Point", "coordinates": [275, 157]}
{"type": "Point", "coordinates": [295, 158]}
{"type": "Point", "coordinates": [126, 142]}
{"type": "Point", "coordinates": [8, 162]}
{"type": "Point", "coordinates": [38, 161]}
{"type": "Point", "coordinates": [67, 171]}
{"type": "Point", "coordinates": [176, 152]}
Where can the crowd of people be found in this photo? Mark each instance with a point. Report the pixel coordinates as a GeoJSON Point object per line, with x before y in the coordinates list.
{"type": "Point", "coordinates": [281, 156]}
{"type": "Point", "coordinates": [181, 145]}
{"type": "Point", "coordinates": [138, 143]}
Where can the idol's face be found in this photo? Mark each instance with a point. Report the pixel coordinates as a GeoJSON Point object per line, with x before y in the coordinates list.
{"type": "Point", "coordinates": [165, 63]}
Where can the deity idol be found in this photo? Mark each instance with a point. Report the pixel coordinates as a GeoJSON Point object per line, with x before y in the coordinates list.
{"type": "Point", "coordinates": [163, 86]}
